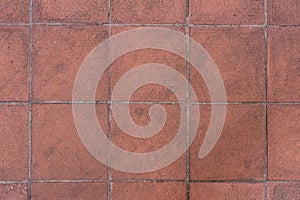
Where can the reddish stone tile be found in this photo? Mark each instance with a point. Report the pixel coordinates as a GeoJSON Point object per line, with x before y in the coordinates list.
{"type": "Point", "coordinates": [58, 53]}
{"type": "Point", "coordinates": [284, 65]}
{"type": "Point", "coordinates": [14, 11]}
{"type": "Point", "coordinates": [70, 11]}
{"type": "Point", "coordinates": [13, 143]}
{"type": "Point", "coordinates": [284, 142]}
{"type": "Point", "coordinates": [227, 12]}
{"type": "Point", "coordinates": [284, 12]}
{"type": "Point", "coordinates": [140, 115]}
{"type": "Point", "coordinates": [68, 191]}
{"type": "Point", "coordinates": [148, 191]}
{"type": "Point", "coordinates": [148, 11]}
{"type": "Point", "coordinates": [150, 92]}
{"type": "Point", "coordinates": [14, 59]}
{"type": "Point", "coordinates": [13, 192]}
{"type": "Point", "coordinates": [237, 191]}
{"type": "Point", "coordinates": [239, 56]}
{"type": "Point", "coordinates": [239, 153]}
{"type": "Point", "coordinates": [57, 151]}
{"type": "Point", "coordinates": [284, 190]}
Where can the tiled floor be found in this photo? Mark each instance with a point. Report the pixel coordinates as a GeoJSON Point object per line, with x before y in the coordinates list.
{"type": "Point", "coordinates": [254, 43]}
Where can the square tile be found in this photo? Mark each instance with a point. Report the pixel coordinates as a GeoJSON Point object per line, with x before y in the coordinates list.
{"type": "Point", "coordinates": [239, 153]}
{"type": "Point", "coordinates": [236, 191]}
{"type": "Point", "coordinates": [284, 190]}
{"type": "Point", "coordinates": [284, 12]}
{"type": "Point", "coordinates": [13, 191]}
{"type": "Point", "coordinates": [165, 133]}
{"type": "Point", "coordinates": [148, 11]}
{"type": "Point", "coordinates": [69, 191]}
{"type": "Point", "coordinates": [70, 11]}
{"type": "Point", "coordinates": [239, 56]}
{"type": "Point", "coordinates": [58, 53]}
{"type": "Point", "coordinates": [148, 191]}
{"type": "Point", "coordinates": [57, 151]}
{"type": "Point", "coordinates": [14, 11]}
{"type": "Point", "coordinates": [227, 12]}
{"type": "Point", "coordinates": [151, 92]}
{"type": "Point", "coordinates": [284, 65]}
{"type": "Point", "coordinates": [14, 63]}
{"type": "Point", "coordinates": [13, 143]}
{"type": "Point", "coordinates": [284, 142]}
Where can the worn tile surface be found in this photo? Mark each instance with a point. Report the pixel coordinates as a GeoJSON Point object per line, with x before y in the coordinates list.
{"type": "Point", "coordinates": [13, 143]}
{"type": "Point", "coordinates": [238, 191]}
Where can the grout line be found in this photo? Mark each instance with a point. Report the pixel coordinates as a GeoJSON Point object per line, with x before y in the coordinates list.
{"type": "Point", "coordinates": [146, 181]}
{"type": "Point", "coordinates": [12, 182]}
{"type": "Point", "coordinates": [30, 102]}
{"type": "Point", "coordinates": [134, 24]}
{"type": "Point", "coordinates": [266, 97]}
{"type": "Point", "coordinates": [109, 183]}
{"type": "Point", "coordinates": [188, 103]}
{"type": "Point", "coordinates": [140, 102]}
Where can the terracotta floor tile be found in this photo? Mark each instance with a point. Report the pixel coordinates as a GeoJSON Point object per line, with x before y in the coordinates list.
{"type": "Point", "coordinates": [284, 65]}
{"type": "Point", "coordinates": [14, 11]}
{"type": "Point", "coordinates": [69, 191]}
{"type": "Point", "coordinates": [14, 63]}
{"type": "Point", "coordinates": [57, 55]}
{"type": "Point", "coordinates": [70, 11]}
{"type": "Point", "coordinates": [150, 92]}
{"type": "Point", "coordinates": [240, 151]}
{"type": "Point", "coordinates": [148, 11]}
{"type": "Point", "coordinates": [239, 56]}
{"type": "Point", "coordinates": [236, 191]}
{"type": "Point", "coordinates": [13, 143]}
{"type": "Point", "coordinates": [226, 12]}
{"type": "Point", "coordinates": [140, 115]}
{"type": "Point", "coordinates": [13, 192]}
{"type": "Point", "coordinates": [57, 151]}
{"type": "Point", "coordinates": [284, 142]}
{"type": "Point", "coordinates": [284, 12]}
{"type": "Point", "coordinates": [284, 190]}
{"type": "Point", "coordinates": [148, 191]}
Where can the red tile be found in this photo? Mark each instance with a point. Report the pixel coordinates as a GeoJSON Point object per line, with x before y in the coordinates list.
{"type": "Point", "coordinates": [239, 153]}
{"type": "Point", "coordinates": [57, 151]}
{"type": "Point", "coordinates": [58, 53]}
{"type": "Point", "coordinates": [284, 65]}
{"type": "Point", "coordinates": [284, 190]}
{"type": "Point", "coordinates": [150, 92]}
{"type": "Point", "coordinates": [148, 191]}
{"type": "Point", "coordinates": [69, 191]}
{"type": "Point", "coordinates": [70, 11]}
{"type": "Point", "coordinates": [284, 142]}
{"type": "Point", "coordinates": [236, 191]}
{"type": "Point", "coordinates": [148, 11]}
{"type": "Point", "coordinates": [239, 56]}
{"type": "Point", "coordinates": [284, 12]}
{"type": "Point", "coordinates": [14, 11]}
{"type": "Point", "coordinates": [13, 192]}
{"type": "Point", "coordinates": [13, 145]}
{"type": "Point", "coordinates": [14, 63]}
{"type": "Point", "coordinates": [227, 12]}
{"type": "Point", "coordinates": [140, 115]}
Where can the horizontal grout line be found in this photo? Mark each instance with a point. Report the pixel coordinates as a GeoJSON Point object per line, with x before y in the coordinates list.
{"type": "Point", "coordinates": [147, 181]}
{"type": "Point", "coordinates": [136, 24]}
{"type": "Point", "coordinates": [144, 102]}
{"type": "Point", "coordinates": [12, 182]}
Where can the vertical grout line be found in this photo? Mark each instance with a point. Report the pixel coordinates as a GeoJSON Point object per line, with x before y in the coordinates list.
{"type": "Point", "coordinates": [109, 183]}
{"type": "Point", "coordinates": [30, 104]}
{"type": "Point", "coordinates": [188, 100]}
{"type": "Point", "coordinates": [266, 96]}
